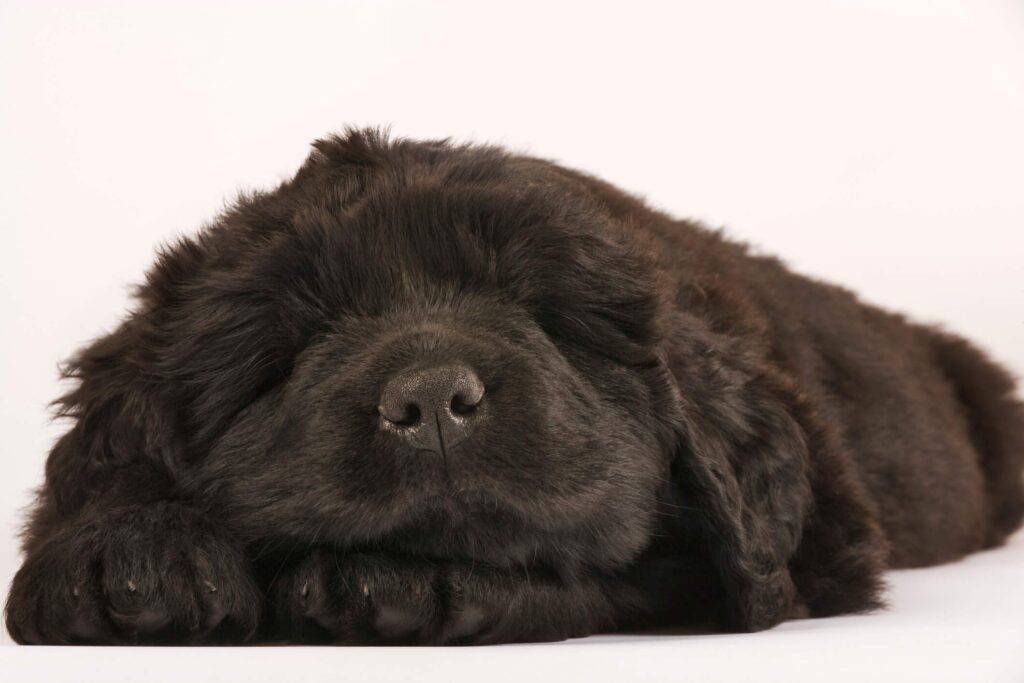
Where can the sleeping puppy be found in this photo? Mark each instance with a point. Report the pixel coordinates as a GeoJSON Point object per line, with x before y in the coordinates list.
{"type": "Point", "coordinates": [430, 393]}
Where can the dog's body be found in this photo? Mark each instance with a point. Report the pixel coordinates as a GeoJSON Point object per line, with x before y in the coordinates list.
{"type": "Point", "coordinates": [430, 393]}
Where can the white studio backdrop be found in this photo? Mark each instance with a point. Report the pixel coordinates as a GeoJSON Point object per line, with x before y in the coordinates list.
{"type": "Point", "coordinates": [876, 144]}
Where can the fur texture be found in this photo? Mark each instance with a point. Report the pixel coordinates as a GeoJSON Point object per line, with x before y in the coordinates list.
{"type": "Point", "coordinates": [674, 432]}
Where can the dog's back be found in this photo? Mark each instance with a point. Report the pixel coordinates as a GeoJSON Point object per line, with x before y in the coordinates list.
{"type": "Point", "coordinates": [930, 425]}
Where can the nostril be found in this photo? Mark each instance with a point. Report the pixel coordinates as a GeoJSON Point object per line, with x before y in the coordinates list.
{"type": "Point", "coordinates": [412, 415]}
{"type": "Point", "coordinates": [408, 417]}
{"type": "Point", "coordinates": [460, 405]}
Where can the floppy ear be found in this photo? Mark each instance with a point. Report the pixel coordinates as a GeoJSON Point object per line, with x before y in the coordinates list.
{"type": "Point", "coordinates": [218, 321]}
{"type": "Point", "coordinates": [742, 460]}
{"type": "Point", "coordinates": [198, 347]}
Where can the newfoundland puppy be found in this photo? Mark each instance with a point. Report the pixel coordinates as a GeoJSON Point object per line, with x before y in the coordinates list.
{"type": "Point", "coordinates": [437, 393]}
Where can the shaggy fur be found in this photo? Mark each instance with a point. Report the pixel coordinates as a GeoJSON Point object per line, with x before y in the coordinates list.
{"type": "Point", "coordinates": [673, 431]}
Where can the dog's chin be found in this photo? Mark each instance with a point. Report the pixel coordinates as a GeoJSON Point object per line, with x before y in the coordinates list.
{"type": "Point", "coordinates": [458, 508]}
{"type": "Point", "coordinates": [467, 525]}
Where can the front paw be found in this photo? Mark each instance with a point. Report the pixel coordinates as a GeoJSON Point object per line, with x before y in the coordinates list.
{"type": "Point", "coordinates": [358, 598]}
{"type": "Point", "coordinates": [492, 605]}
{"type": "Point", "coordinates": [375, 598]}
{"type": "Point", "coordinates": [158, 573]}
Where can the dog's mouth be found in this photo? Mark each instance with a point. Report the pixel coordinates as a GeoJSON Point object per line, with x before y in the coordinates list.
{"type": "Point", "coordinates": [467, 524]}
{"type": "Point", "coordinates": [449, 508]}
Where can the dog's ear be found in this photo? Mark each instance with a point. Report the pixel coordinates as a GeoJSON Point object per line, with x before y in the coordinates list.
{"type": "Point", "coordinates": [119, 422]}
{"type": "Point", "coordinates": [197, 349]}
{"type": "Point", "coordinates": [742, 461]}
{"type": "Point", "coordinates": [219, 320]}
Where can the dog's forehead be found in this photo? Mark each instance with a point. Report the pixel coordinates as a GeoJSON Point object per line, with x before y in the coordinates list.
{"type": "Point", "coordinates": [442, 232]}
{"type": "Point", "coordinates": [428, 226]}
{"type": "Point", "coordinates": [431, 203]}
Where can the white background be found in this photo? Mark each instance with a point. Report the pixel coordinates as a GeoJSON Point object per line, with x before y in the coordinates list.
{"type": "Point", "coordinates": [876, 144]}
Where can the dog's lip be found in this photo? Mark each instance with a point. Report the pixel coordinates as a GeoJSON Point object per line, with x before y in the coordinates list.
{"type": "Point", "coordinates": [458, 520]}
{"type": "Point", "coordinates": [458, 505]}
{"type": "Point", "coordinates": [450, 497]}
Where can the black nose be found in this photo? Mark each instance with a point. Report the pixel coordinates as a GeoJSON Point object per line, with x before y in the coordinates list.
{"type": "Point", "coordinates": [432, 408]}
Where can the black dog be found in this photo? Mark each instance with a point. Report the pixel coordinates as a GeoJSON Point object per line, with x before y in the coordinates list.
{"type": "Point", "coordinates": [444, 394]}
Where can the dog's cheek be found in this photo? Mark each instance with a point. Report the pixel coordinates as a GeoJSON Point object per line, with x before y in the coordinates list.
{"type": "Point", "coordinates": [260, 478]}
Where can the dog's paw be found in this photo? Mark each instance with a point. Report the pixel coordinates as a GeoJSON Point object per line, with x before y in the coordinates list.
{"type": "Point", "coordinates": [145, 574]}
{"type": "Point", "coordinates": [491, 605]}
{"type": "Point", "coordinates": [368, 598]}
{"type": "Point", "coordinates": [359, 598]}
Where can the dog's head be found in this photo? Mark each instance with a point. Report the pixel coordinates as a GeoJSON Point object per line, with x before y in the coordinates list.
{"type": "Point", "coordinates": [437, 349]}
{"type": "Point", "coordinates": [449, 351]}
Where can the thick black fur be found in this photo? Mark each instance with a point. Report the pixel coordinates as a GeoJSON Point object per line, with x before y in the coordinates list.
{"type": "Point", "coordinates": [675, 432]}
